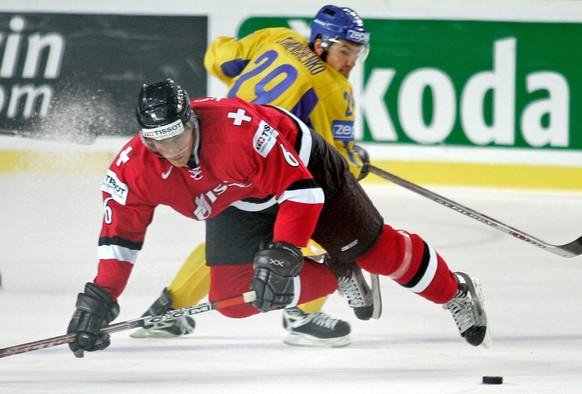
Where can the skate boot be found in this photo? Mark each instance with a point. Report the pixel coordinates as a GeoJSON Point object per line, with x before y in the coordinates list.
{"type": "Point", "coordinates": [365, 301]}
{"type": "Point", "coordinates": [167, 329]}
{"type": "Point", "coordinates": [468, 309]}
{"type": "Point", "coordinates": [314, 329]}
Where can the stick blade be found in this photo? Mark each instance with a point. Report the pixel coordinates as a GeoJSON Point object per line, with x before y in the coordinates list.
{"type": "Point", "coordinates": [571, 249]}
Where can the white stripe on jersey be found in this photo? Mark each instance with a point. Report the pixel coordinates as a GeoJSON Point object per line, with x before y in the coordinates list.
{"type": "Point", "coordinates": [304, 196]}
{"type": "Point", "coordinates": [306, 142]}
{"type": "Point", "coordinates": [429, 274]}
{"type": "Point", "coordinates": [252, 206]}
{"type": "Point", "coordinates": [116, 252]}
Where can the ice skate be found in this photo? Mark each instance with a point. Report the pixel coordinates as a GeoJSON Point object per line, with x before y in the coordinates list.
{"type": "Point", "coordinates": [314, 329]}
{"type": "Point", "coordinates": [166, 329]}
{"type": "Point", "coordinates": [468, 310]}
{"type": "Point", "coordinates": [169, 329]}
{"type": "Point", "coordinates": [366, 301]}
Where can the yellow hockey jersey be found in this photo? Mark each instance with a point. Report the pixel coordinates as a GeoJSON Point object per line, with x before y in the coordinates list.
{"type": "Point", "coordinates": [275, 66]}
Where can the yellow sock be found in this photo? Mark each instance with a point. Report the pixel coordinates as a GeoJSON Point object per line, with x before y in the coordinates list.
{"type": "Point", "coordinates": [192, 282]}
{"type": "Point", "coordinates": [313, 306]}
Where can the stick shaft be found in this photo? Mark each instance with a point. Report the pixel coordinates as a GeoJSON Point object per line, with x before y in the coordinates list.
{"type": "Point", "coordinates": [571, 249]}
{"type": "Point", "coordinates": [130, 324]}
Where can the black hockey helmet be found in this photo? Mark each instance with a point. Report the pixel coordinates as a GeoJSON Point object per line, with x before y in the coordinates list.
{"type": "Point", "coordinates": [163, 109]}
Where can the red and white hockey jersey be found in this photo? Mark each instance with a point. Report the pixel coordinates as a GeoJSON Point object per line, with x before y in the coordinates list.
{"type": "Point", "coordinates": [243, 151]}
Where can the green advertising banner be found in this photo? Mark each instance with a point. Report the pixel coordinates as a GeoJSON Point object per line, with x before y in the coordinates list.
{"type": "Point", "coordinates": [468, 83]}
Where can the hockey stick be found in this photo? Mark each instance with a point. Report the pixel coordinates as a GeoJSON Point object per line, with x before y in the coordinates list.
{"type": "Point", "coordinates": [130, 324]}
{"type": "Point", "coordinates": [571, 249]}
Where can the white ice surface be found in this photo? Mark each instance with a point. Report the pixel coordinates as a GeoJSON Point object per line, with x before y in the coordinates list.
{"type": "Point", "coordinates": [48, 232]}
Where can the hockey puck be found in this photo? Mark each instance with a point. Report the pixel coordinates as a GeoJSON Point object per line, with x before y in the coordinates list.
{"type": "Point", "coordinates": [492, 379]}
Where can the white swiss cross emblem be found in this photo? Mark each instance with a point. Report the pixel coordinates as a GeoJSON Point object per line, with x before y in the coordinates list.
{"type": "Point", "coordinates": [239, 117]}
{"type": "Point", "coordinates": [123, 156]}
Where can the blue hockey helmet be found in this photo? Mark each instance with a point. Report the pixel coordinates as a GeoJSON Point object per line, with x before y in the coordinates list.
{"type": "Point", "coordinates": [333, 23]}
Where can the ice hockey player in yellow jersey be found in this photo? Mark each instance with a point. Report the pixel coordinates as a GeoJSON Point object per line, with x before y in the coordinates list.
{"type": "Point", "coordinates": [289, 74]}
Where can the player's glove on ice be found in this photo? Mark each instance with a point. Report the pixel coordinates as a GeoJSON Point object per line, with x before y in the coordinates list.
{"type": "Point", "coordinates": [95, 309]}
{"type": "Point", "coordinates": [276, 264]}
{"type": "Point", "coordinates": [365, 158]}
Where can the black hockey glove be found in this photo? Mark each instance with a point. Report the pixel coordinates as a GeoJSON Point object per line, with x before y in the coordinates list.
{"type": "Point", "coordinates": [276, 264]}
{"type": "Point", "coordinates": [95, 309]}
{"type": "Point", "coordinates": [365, 158]}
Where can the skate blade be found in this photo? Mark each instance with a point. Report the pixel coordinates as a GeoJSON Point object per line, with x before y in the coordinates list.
{"type": "Point", "coordinates": [309, 341]}
{"type": "Point", "coordinates": [487, 341]}
{"type": "Point", "coordinates": [141, 333]}
{"type": "Point", "coordinates": [376, 296]}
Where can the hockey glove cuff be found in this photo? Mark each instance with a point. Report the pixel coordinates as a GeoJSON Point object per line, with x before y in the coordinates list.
{"type": "Point", "coordinates": [365, 158]}
{"type": "Point", "coordinates": [276, 264]}
{"type": "Point", "coordinates": [95, 309]}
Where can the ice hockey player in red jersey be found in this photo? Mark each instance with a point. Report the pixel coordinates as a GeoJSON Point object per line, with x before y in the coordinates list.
{"type": "Point", "coordinates": [309, 78]}
{"type": "Point", "coordinates": [211, 155]}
